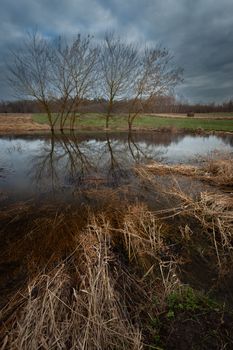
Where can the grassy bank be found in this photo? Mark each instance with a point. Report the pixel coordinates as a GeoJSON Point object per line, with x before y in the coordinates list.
{"type": "Point", "coordinates": [94, 120]}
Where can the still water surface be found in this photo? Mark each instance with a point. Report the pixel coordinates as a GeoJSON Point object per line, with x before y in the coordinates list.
{"type": "Point", "coordinates": [39, 165]}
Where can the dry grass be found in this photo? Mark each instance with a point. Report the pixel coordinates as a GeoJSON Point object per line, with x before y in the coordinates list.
{"type": "Point", "coordinates": [18, 123]}
{"type": "Point", "coordinates": [215, 214]}
{"type": "Point", "coordinates": [41, 236]}
{"type": "Point", "coordinates": [214, 171]}
{"type": "Point", "coordinates": [76, 305]}
{"type": "Point", "coordinates": [220, 171]}
{"type": "Point", "coordinates": [210, 215]}
{"type": "Point", "coordinates": [142, 233]}
{"type": "Point", "coordinates": [13, 211]}
{"type": "Point", "coordinates": [57, 314]}
{"type": "Point", "coordinates": [164, 169]}
{"type": "Point", "coordinates": [145, 242]}
{"type": "Point", "coordinates": [99, 295]}
{"type": "Point", "coordinates": [93, 276]}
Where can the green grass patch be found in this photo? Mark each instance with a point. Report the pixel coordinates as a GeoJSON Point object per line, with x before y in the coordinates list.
{"type": "Point", "coordinates": [184, 123]}
{"type": "Point", "coordinates": [95, 120]}
{"type": "Point", "coordinates": [40, 118]}
{"type": "Point", "coordinates": [190, 300]}
{"type": "Point", "coordinates": [191, 320]}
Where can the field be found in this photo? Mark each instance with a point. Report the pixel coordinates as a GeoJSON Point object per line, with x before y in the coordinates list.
{"type": "Point", "coordinates": [20, 123]}
{"type": "Point", "coordinates": [207, 122]}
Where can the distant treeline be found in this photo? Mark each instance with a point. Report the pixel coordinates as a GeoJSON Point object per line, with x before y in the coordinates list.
{"type": "Point", "coordinates": [159, 104]}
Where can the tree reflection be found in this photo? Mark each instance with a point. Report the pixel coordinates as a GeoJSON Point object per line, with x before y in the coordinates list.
{"type": "Point", "coordinates": [73, 162]}
{"type": "Point", "coordinates": [44, 166]}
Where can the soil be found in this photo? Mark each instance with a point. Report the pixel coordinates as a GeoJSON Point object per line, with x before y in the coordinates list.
{"type": "Point", "coordinates": [203, 331]}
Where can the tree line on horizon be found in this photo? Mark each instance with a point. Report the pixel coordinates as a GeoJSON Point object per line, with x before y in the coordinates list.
{"type": "Point", "coordinates": [158, 104]}
{"type": "Point", "coordinates": [63, 78]}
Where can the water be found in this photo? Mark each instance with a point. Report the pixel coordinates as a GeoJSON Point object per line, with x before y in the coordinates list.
{"type": "Point", "coordinates": [35, 166]}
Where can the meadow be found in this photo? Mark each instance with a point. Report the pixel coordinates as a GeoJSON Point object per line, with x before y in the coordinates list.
{"type": "Point", "coordinates": [208, 122]}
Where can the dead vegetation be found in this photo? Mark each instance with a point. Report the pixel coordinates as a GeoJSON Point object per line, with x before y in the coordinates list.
{"type": "Point", "coordinates": [81, 310]}
{"type": "Point", "coordinates": [19, 123]}
{"type": "Point", "coordinates": [207, 214]}
{"type": "Point", "coordinates": [217, 172]}
{"type": "Point", "coordinates": [220, 171]}
{"type": "Point", "coordinates": [89, 300]}
{"type": "Point", "coordinates": [101, 279]}
{"type": "Point", "coordinates": [214, 212]}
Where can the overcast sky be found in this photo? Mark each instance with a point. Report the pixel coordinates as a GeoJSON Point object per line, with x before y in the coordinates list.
{"type": "Point", "coordinates": [198, 32]}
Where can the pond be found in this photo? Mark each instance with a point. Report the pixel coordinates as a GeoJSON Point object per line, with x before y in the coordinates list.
{"type": "Point", "coordinates": [35, 166]}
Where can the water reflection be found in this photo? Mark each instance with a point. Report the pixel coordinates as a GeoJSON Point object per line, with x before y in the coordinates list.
{"type": "Point", "coordinates": [67, 163]}
{"type": "Point", "coordinates": [74, 161]}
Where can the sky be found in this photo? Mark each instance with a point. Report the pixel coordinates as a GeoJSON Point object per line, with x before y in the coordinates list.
{"type": "Point", "coordinates": [199, 33]}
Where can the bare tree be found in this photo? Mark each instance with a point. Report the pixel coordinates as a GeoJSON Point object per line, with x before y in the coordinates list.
{"type": "Point", "coordinates": [118, 61]}
{"type": "Point", "coordinates": [30, 72]}
{"type": "Point", "coordinates": [58, 74]}
{"type": "Point", "coordinates": [74, 66]}
{"type": "Point", "coordinates": [61, 74]}
{"type": "Point", "coordinates": [155, 75]}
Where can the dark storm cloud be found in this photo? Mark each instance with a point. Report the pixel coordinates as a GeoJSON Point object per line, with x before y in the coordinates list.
{"type": "Point", "coordinates": [199, 33]}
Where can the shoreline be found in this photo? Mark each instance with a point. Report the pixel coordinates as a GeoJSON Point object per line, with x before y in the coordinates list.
{"type": "Point", "coordinates": [34, 131]}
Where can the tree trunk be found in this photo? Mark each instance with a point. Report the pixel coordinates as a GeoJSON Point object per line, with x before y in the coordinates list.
{"type": "Point", "coordinates": [109, 112]}
{"type": "Point", "coordinates": [130, 125]}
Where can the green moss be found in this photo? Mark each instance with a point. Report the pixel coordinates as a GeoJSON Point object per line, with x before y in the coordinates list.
{"type": "Point", "coordinates": [186, 310]}
{"type": "Point", "coordinates": [189, 300]}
